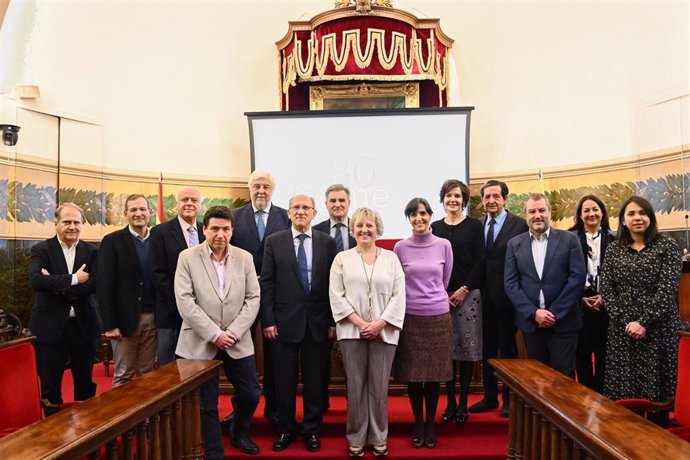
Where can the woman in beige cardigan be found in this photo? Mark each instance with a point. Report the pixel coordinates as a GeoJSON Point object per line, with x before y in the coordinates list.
{"type": "Point", "coordinates": [367, 290]}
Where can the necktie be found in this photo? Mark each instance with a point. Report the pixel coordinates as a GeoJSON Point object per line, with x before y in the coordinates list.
{"type": "Point", "coordinates": [302, 263]}
{"type": "Point", "coordinates": [193, 237]}
{"type": "Point", "coordinates": [260, 226]}
{"type": "Point", "coordinates": [339, 237]}
{"type": "Point", "coordinates": [490, 234]}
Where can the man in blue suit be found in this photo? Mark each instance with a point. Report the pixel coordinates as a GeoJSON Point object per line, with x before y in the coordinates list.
{"type": "Point", "coordinates": [254, 222]}
{"type": "Point", "coordinates": [544, 275]}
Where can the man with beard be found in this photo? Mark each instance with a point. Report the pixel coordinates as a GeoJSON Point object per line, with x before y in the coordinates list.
{"type": "Point", "coordinates": [544, 275]}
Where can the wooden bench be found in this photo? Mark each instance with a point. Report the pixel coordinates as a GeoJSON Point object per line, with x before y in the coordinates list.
{"type": "Point", "coordinates": [554, 417]}
{"type": "Point", "coordinates": [156, 415]}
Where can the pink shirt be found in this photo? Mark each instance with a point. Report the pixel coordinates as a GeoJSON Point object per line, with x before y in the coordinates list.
{"type": "Point", "coordinates": [219, 266]}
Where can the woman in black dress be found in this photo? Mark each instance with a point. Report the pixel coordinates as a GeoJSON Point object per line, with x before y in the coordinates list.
{"type": "Point", "coordinates": [639, 284]}
{"type": "Point", "coordinates": [592, 228]}
{"type": "Point", "coordinates": [467, 240]}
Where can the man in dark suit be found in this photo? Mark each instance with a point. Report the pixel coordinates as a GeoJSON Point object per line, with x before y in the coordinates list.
{"type": "Point", "coordinates": [253, 223]}
{"type": "Point", "coordinates": [126, 294]}
{"type": "Point", "coordinates": [64, 319]}
{"type": "Point", "coordinates": [544, 275]}
{"type": "Point", "coordinates": [167, 241]}
{"type": "Point", "coordinates": [296, 317]}
{"type": "Point", "coordinates": [498, 313]}
{"type": "Point", "coordinates": [338, 226]}
{"type": "Point", "coordinates": [338, 223]}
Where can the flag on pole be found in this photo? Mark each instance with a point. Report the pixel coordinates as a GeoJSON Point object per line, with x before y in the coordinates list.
{"type": "Point", "coordinates": [159, 208]}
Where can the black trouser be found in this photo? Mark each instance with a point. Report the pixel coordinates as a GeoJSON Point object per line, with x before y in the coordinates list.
{"type": "Point", "coordinates": [51, 359]}
{"type": "Point", "coordinates": [269, 382]}
{"type": "Point", "coordinates": [555, 349]}
{"type": "Point", "coordinates": [242, 375]}
{"type": "Point", "coordinates": [592, 341]}
{"type": "Point", "coordinates": [498, 328]}
{"type": "Point", "coordinates": [311, 358]}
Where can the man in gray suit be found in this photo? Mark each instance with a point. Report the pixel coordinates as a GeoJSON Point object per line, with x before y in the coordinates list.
{"type": "Point", "coordinates": [217, 294]}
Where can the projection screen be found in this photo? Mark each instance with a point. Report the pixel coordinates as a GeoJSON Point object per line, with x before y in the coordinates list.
{"type": "Point", "coordinates": [385, 157]}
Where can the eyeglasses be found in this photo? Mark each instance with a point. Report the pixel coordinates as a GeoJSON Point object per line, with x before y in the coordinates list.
{"type": "Point", "coordinates": [303, 208]}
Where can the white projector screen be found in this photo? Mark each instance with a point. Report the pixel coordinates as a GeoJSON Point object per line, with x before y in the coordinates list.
{"type": "Point", "coordinates": [385, 157]}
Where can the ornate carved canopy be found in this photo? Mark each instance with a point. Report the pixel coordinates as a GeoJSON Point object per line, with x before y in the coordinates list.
{"type": "Point", "coordinates": [364, 41]}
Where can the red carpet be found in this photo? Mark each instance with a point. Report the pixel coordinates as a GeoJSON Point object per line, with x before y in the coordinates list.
{"type": "Point", "coordinates": [485, 436]}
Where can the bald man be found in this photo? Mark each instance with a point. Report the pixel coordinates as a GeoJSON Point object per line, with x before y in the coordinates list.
{"type": "Point", "coordinates": [167, 241]}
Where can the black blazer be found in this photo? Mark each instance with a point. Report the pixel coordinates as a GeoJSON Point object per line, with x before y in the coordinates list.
{"type": "Point", "coordinates": [167, 241]}
{"type": "Point", "coordinates": [55, 293]}
{"type": "Point", "coordinates": [606, 238]}
{"type": "Point", "coordinates": [492, 285]}
{"type": "Point", "coordinates": [120, 282]}
{"type": "Point", "coordinates": [325, 227]}
{"type": "Point", "coordinates": [283, 301]}
{"type": "Point", "coordinates": [246, 236]}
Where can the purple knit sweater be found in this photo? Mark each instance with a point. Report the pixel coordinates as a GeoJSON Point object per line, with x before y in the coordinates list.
{"type": "Point", "coordinates": [427, 262]}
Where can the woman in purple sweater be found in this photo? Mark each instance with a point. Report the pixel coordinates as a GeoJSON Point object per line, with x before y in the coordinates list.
{"type": "Point", "coordinates": [425, 346]}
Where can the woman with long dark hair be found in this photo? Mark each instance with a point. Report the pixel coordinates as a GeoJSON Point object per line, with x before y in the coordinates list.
{"type": "Point", "coordinates": [639, 285]}
{"type": "Point", "coordinates": [592, 228]}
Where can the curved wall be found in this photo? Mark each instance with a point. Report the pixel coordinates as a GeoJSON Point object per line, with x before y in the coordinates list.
{"type": "Point", "coordinates": [553, 83]}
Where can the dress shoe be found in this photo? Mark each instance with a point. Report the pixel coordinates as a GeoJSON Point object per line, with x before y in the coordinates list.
{"type": "Point", "coordinates": [461, 416]}
{"type": "Point", "coordinates": [245, 444]}
{"type": "Point", "coordinates": [448, 414]}
{"type": "Point", "coordinates": [227, 421]}
{"type": "Point", "coordinates": [355, 451]}
{"type": "Point", "coordinates": [484, 405]}
{"type": "Point", "coordinates": [430, 437]}
{"type": "Point", "coordinates": [312, 442]}
{"type": "Point", "coordinates": [380, 450]}
{"type": "Point", "coordinates": [418, 436]}
{"type": "Point", "coordinates": [272, 417]}
{"type": "Point", "coordinates": [283, 441]}
{"type": "Point", "coordinates": [505, 411]}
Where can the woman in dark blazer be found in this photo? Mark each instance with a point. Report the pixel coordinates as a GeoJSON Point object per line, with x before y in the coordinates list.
{"type": "Point", "coordinates": [592, 228]}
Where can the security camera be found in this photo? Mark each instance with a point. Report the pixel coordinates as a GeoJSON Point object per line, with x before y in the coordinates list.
{"type": "Point", "coordinates": [10, 134]}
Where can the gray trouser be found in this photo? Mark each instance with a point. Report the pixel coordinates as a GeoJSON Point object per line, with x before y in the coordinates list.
{"type": "Point", "coordinates": [368, 369]}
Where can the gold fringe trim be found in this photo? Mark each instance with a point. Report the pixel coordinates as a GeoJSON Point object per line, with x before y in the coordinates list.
{"type": "Point", "coordinates": [320, 53]}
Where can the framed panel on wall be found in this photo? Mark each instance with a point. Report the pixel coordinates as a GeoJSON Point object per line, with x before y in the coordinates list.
{"type": "Point", "coordinates": [402, 95]}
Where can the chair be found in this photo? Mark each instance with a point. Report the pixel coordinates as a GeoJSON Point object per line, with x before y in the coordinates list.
{"type": "Point", "coordinates": [20, 398]}
{"type": "Point", "coordinates": [682, 406]}
{"type": "Point", "coordinates": [681, 403]}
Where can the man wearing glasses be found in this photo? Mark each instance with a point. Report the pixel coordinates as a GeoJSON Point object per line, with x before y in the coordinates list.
{"type": "Point", "coordinates": [297, 320]}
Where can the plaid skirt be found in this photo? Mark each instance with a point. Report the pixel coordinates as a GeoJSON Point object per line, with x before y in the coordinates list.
{"type": "Point", "coordinates": [425, 349]}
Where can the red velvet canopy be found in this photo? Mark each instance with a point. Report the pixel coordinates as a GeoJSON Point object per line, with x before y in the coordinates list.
{"type": "Point", "coordinates": [382, 45]}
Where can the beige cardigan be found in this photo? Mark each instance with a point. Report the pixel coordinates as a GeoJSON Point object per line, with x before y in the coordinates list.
{"type": "Point", "coordinates": [348, 293]}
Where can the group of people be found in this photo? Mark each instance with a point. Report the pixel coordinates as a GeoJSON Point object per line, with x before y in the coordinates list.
{"type": "Point", "coordinates": [452, 294]}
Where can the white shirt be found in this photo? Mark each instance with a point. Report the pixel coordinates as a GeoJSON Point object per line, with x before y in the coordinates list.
{"type": "Point", "coordinates": [136, 235]}
{"type": "Point", "coordinates": [344, 232]}
{"type": "Point", "coordinates": [70, 253]}
{"type": "Point", "coordinates": [307, 247]}
{"type": "Point", "coordinates": [593, 257]}
{"type": "Point", "coordinates": [263, 215]}
{"type": "Point", "coordinates": [539, 247]}
{"type": "Point", "coordinates": [185, 229]}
